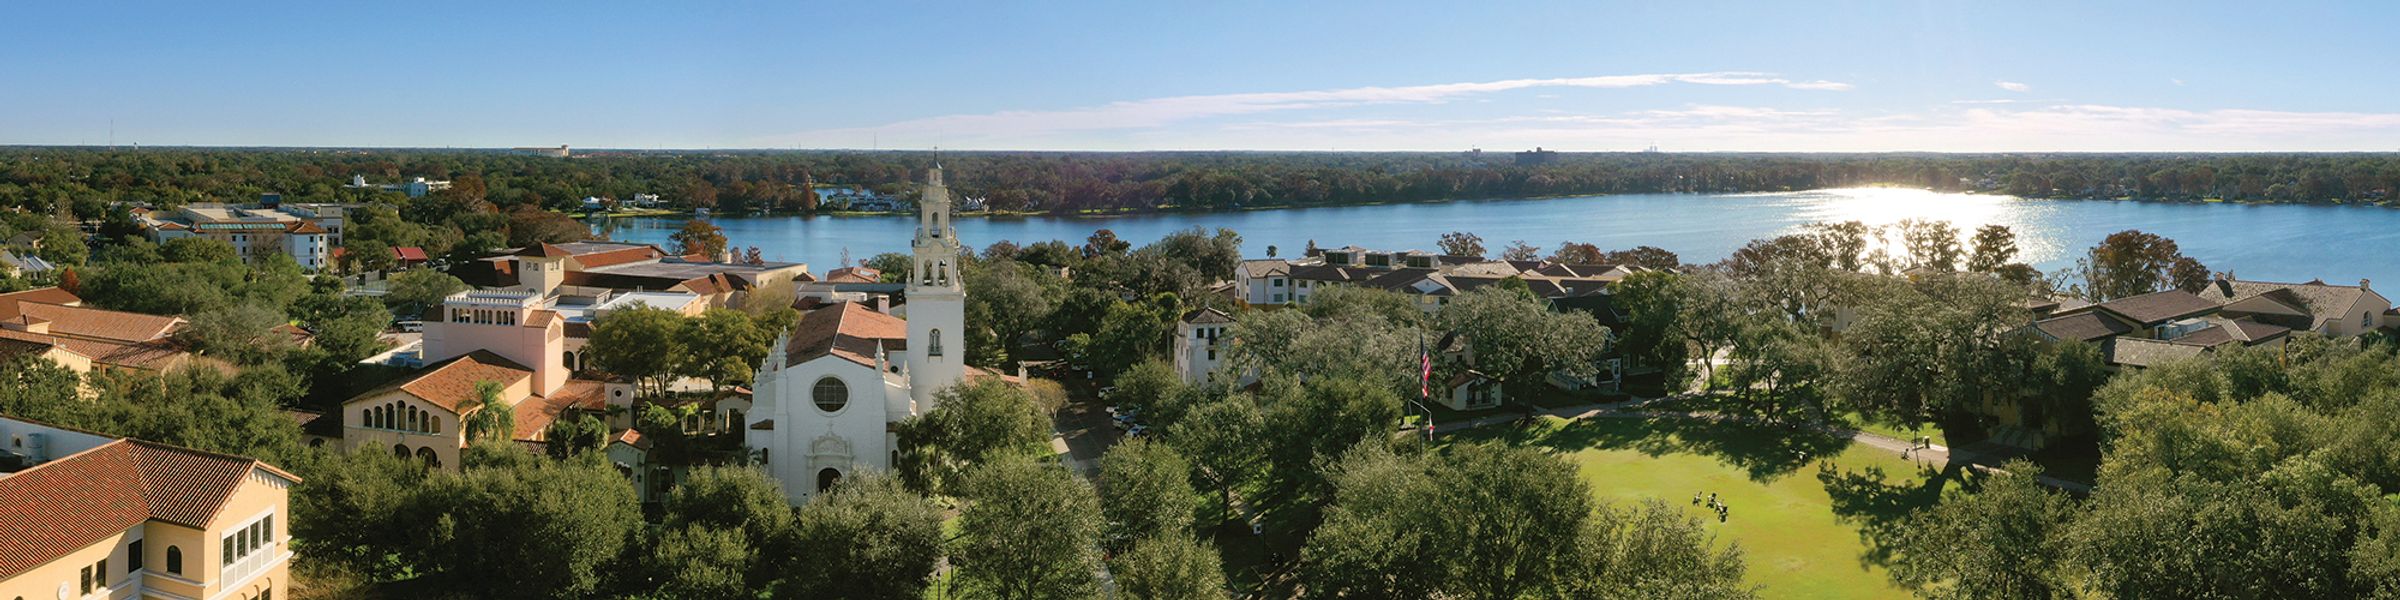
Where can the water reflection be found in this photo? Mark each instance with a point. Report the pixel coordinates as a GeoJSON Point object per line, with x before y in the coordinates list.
{"type": "Point", "coordinates": [2337, 243]}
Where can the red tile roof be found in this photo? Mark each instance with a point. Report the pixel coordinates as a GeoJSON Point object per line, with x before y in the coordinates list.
{"type": "Point", "coordinates": [45, 295]}
{"type": "Point", "coordinates": [545, 251]}
{"type": "Point", "coordinates": [77, 321]}
{"type": "Point", "coordinates": [848, 330]}
{"type": "Point", "coordinates": [451, 385]}
{"type": "Point", "coordinates": [67, 504]}
{"type": "Point", "coordinates": [619, 256]}
{"type": "Point", "coordinates": [409, 253]}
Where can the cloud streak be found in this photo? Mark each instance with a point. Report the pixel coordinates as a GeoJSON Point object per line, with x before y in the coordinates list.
{"type": "Point", "coordinates": [2013, 86]}
{"type": "Point", "coordinates": [1158, 112]}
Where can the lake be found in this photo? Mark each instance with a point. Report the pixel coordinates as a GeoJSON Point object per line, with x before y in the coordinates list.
{"type": "Point", "coordinates": [2340, 244]}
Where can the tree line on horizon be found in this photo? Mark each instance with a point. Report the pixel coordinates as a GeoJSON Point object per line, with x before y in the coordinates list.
{"type": "Point", "coordinates": [83, 181]}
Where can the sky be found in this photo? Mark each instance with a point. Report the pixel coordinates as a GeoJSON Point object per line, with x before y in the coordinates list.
{"type": "Point", "coordinates": [1689, 75]}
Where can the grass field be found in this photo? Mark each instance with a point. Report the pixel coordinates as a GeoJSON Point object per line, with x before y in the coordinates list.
{"type": "Point", "coordinates": [1802, 530]}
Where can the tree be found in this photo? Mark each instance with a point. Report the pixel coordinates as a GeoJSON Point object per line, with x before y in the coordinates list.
{"type": "Point", "coordinates": [1391, 532]}
{"type": "Point", "coordinates": [2001, 542]}
{"type": "Point", "coordinates": [722, 345]}
{"type": "Point", "coordinates": [199, 250]}
{"type": "Point", "coordinates": [700, 238]}
{"type": "Point", "coordinates": [869, 538]}
{"type": "Point", "coordinates": [569, 438]}
{"type": "Point", "coordinates": [971, 424]}
{"type": "Point", "coordinates": [698, 562]}
{"type": "Point", "coordinates": [1224, 442]}
{"type": "Point", "coordinates": [414, 290]}
{"type": "Point", "coordinates": [1931, 244]}
{"type": "Point", "coordinates": [2131, 263]}
{"type": "Point", "coordinates": [642, 343]}
{"type": "Point", "coordinates": [1578, 254]}
{"type": "Point", "coordinates": [1316, 422]}
{"type": "Point", "coordinates": [744, 502]}
{"type": "Point", "coordinates": [1104, 242]}
{"type": "Point", "coordinates": [1514, 337]}
{"type": "Point", "coordinates": [1145, 492]}
{"type": "Point", "coordinates": [1647, 257]}
{"type": "Point", "coordinates": [1170, 567]}
{"type": "Point", "coordinates": [247, 333]}
{"type": "Point", "coordinates": [1654, 551]}
{"type": "Point", "coordinates": [1926, 350]}
{"type": "Point", "coordinates": [350, 508]}
{"type": "Point", "coordinates": [1460, 243]}
{"type": "Point", "coordinates": [1995, 247]}
{"type": "Point", "coordinates": [1029, 531]}
{"type": "Point", "coordinates": [1655, 305]}
{"type": "Point", "coordinates": [492, 418]}
{"type": "Point", "coordinates": [479, 526]}
{"type": "Point", "coordinates": [1520, 251]}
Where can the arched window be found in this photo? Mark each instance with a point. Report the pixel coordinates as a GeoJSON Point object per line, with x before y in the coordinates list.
{"type": "Point", "coordinates": [933, 345]}
{"type": "Point", "coordinates": [174, 560]}
{"type": "Point", "coordinates": [567, 359]}
{"type": "Point", "coordinates": [830, 394]}
{"type": "Point", "coordinates": [426, 454]}
{"type": "Point", "coordinates": [827, 477]}
{"type": "Point", "coordinates": [400, 450]}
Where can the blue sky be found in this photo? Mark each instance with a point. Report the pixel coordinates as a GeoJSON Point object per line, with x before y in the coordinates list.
{"type": "Point", "coordinates": [1394, 75]}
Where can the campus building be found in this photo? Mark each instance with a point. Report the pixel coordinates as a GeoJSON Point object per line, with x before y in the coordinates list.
{"type": "Point", "coordinates": [833, 388]}
{"type": "Point", "coordinates": [90, 516]}
{"type": "Point", "coordinates": [253, 231]}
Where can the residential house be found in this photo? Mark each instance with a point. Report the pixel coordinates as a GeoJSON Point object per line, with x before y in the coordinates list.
{"type": "Point", "coordinates": [2316, 306]}
{"type": "Point", "coordinates": [1202, 338]}
{"type": "Point", "coordinates": [84, 515]}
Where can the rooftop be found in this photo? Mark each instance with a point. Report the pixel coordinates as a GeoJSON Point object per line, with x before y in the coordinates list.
{"type": "Point", "coordinates": [103, 491]}
{"type": "Point", "coordinates": [848, 330]}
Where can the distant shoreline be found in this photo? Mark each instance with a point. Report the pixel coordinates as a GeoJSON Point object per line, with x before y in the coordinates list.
{"type": "Point", "coordinates": [1178, 210]}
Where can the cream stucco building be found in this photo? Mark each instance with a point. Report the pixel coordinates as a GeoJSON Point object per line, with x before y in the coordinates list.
{"type": "Point", "coordinates": [88, 516]}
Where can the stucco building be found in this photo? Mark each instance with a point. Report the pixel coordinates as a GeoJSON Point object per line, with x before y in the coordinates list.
{"type": "Point", "coordinates": [832, 389]}
{"type": "Point", "coordinates": [89, 516]}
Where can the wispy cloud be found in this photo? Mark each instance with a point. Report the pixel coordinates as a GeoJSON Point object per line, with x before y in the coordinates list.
{"type": "Point", "coordinates": [2013, 86]}
{"type": "Point", "coordinates": [1158, 112]}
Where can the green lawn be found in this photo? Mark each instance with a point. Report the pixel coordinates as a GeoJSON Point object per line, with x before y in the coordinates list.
{"type": "Point", "coordinates": [1800, 528]}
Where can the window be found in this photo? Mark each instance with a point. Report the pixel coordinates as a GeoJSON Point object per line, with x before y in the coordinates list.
{"type": "Point", "coordinates": [1277, 281]}
{"type": "Point", "coordinates": [400, 450]}
{"type": "Point", "coordinates": [133, 557]}
{"type": "Point", "coordinates": [830, 394]}
{"type": "Point", "coordinates": [933, 347]}
{"type": "Point", "coordinates": [87, 580]}
{"type": "Point", "coordinates": [175, 560]}
{"type": "Point", "coordinates": [1277, 298]}
{"type": "Point", "coordinates": [826, 478]}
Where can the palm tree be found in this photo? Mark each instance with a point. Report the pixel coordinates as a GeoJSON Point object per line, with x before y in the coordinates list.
{"type": "Point", "coordinates": [493, 419]}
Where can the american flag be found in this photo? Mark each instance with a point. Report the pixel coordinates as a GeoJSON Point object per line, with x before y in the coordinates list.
{"type": "Point", "coordinates": [1424, 369]}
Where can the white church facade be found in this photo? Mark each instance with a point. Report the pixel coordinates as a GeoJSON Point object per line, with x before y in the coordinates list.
{"type": "Point", "coordinates": [830, 392]}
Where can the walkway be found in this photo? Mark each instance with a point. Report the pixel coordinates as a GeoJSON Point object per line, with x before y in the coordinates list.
{"type": "Point", "coordinates": [1937, 456]}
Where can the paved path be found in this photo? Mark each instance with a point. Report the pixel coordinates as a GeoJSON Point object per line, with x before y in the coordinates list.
{"type": "Point", "coordinates": [1936, 455]}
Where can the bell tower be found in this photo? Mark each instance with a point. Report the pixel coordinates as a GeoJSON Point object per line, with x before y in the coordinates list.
{"type": "Point", "coordinates": [936, 298]}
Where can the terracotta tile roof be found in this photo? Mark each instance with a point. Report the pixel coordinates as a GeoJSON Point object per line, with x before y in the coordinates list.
{"type": "Point", "coordinates": [154, 356]}
{"type": "Point", "coordinates": [11, 348]}
{"type": "Point", "coordinates": [854, 275]}
{"type": "Point", "coordinates": [2159, 307]}
{"type": "Point", "coordinates": [540, 318]}
{"type": "Point", "coordinates": [303, 228]}
{"type": "Point", "coordinates": [451, 384]}
{"type": "Point", "coordinates": [103, 491]}
{"type": "Point", "coordinates": [619, 256]}
{"type": "Point", "coordinates": [409, 253]}
{"type": "Point", "coordinates": [44, 295]}
{"type": "Point", "coordinates": [848, 330]}
{"type": "Point", "coordinates": [77, 321]}
{"type": "Point", "coordinates": [544, 251]}
{"type": "Point", "coordinates": [631, 437]}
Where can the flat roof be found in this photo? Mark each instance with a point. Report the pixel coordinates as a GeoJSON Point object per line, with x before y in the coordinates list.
{"type": "Point", "coordinates": [677, 269]}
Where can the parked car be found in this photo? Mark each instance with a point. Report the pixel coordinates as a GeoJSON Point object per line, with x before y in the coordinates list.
{"type": "Point", "coordinates": [412, 326]}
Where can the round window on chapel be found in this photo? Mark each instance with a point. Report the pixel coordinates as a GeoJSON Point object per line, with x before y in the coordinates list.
{"type": "Point", "coordinates": [831, 394]}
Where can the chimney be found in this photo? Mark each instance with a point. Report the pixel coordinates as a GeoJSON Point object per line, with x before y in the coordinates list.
{"type": "Point", "coordinates": [2362, 283]}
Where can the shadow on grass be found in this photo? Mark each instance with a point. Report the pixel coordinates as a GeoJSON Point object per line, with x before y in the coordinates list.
{"type": "Point", "coordinates": [1764, 452]}
{"type": "Point", "coordinates": [1881, 508]}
